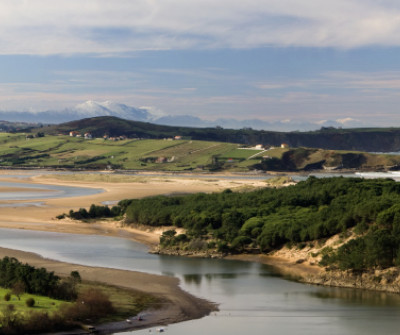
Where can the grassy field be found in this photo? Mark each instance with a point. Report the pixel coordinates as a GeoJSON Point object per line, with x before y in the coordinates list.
{"type": "Point", "coordinates": [125, 302]}
{"type": "Point", "coordinates": [162, 155]}
{"type": "Point", "coordinates": [241, 153]}
{"type": "Point", "coordinates": [44, 304]}
{"type": "Point", "coordinates": [72, 152]}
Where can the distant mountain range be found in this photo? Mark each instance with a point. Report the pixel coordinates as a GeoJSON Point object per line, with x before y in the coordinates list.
{"type": "Point", "coordinates": [90, 109]}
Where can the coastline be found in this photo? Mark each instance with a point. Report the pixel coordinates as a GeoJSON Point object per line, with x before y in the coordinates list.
{"type": "Point", "coordinates": [181, 305]}
{"type": "Point", "coordinates": [177, 305]}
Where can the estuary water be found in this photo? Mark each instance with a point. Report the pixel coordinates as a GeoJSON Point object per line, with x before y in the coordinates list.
{"type": "Point", "coordinates": [252, 298]}
{"type": "Point", "coordinates": [43, 191]}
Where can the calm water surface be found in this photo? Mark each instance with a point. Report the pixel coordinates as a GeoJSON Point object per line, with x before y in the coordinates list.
{"type": "Point", "coordinates": [44, 191]}
{"type": "Point", "coordinates": [252, 298]}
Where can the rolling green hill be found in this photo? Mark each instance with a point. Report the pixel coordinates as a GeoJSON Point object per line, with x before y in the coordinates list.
{"type": "Point", "coordinates": [363, 139]}
{"type": "Point", "coordinates": [62, 151]}
{"type": "Point", "coordinates": [71, 152]}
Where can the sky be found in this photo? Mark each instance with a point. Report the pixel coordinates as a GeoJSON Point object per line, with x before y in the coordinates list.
{"type": "Point", "coordinates": [273, 60]}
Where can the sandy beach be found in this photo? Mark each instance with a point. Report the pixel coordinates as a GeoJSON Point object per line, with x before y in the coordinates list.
{"type": "Point", "coordinates": [44, 216]}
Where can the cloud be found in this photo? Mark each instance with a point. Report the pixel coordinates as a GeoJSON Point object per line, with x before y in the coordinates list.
{"type": "Point", "coordinates": [44, 27]}
{"type": "Point", "coordinates": [364, 82]}
{"type": "Point", "coordinates": [346, 120]}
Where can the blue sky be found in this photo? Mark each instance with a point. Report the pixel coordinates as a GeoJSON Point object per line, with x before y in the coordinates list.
{"type": "Point", "coordinates": [274, 60]}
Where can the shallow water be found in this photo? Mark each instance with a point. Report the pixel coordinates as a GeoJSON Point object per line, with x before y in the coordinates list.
{"type": "Point", "coordinates": [252, 297]}
{"type": "Point", "coordinates": [43, 191]}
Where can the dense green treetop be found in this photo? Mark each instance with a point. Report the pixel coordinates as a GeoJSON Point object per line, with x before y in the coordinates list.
{"type": "Point", "coordinates": [269, 218]}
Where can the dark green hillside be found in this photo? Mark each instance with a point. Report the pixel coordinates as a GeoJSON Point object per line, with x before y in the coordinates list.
{"type": "Point", "coordinates": [267, 219]}
{"type": "Point", "coordinates": [306, 159]}
{"type": "Point", "coordinates": [114, 126]}
{"type": "Point", "coordinates": [368, 139]}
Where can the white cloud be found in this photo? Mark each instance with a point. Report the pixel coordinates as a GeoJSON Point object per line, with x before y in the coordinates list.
{"type": "Point", "coordinates": [154, 110]}
{"type": "Point", "coordinates": [123, 26]}
{"type": "Point", "coordinates": [346, 120]}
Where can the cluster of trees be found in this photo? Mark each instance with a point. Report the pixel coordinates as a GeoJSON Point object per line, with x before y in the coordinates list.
{"type": "Point", "coordinates": [23, 278]}
{"type": "Point", "coordinates": [94, 212]}
{"type": "Point", "coordinates": [377, 243]}
{"type": "Point", "coordinates": [270, 218]}
{"type": "Point", "coordinates": [266, 219]}
{"type": "Point", "coordinates": [90, 303]}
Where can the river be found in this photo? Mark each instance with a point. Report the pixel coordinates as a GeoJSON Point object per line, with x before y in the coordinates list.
{"type": "Point", "coordinates": [252, 298]}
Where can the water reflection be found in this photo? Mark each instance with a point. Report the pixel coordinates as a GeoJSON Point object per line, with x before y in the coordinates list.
{"type": "Point", "coordinates": [250, 296]}
{"type": "Point", "coordinates": [41, 191]}
{"type": "Point", "coordinates": [359, 297]}
{"type": "Point", "coordinates": [197, 278]}
{"type": "Point", "coordinates": [192, 279]}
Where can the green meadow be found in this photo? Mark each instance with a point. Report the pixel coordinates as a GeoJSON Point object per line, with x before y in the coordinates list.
{"type": "Point", "coordinates": [71, 152]}
{"type": "Point", "coordinates": [68, 152]}
{"type": "Point", "coordinates": [43, 304]}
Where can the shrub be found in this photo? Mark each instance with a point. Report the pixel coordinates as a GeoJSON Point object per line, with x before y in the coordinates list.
{"type": "Point", "coordinates": [197, 244]}
{"type": "Point", "coordinates": [240, 242]}
{"type": "Point", "coordinates": [75, 276]}
{"type": "Point", "coordinates": [7, 296]}
{"type": "Point", "coordinates": [30, 302]}
{"type": "Point", "coordinates": [91, 303]}
{"type": "Point", "coordinates": [18, 288]}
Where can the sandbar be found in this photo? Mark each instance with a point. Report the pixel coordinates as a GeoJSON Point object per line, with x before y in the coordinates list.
{"type": "Point", "coordinates": [177, 305]}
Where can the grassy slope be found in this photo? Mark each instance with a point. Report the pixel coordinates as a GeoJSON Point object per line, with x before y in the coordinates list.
{"type": "Point", "coordinates": [363, 139]}
{"type": "Point", "coordinates": [334, 158]}
{"type": "Point", "coordinates": [71, 152]}
{"type": "Point", "coordinates": [43, 304]}
{"type": "Point", "coordinates": [126, 302]}
{"type": "Point", "coordinates": [56, 151]}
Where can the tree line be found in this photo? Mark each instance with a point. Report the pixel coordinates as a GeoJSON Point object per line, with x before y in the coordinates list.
{"type": "Point", "coordinates": [266, 219]}
{"type": "Point", "coordinates": [26, 278]}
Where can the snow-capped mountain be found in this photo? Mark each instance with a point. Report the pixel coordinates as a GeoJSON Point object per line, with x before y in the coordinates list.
{"type": "Point", "coordinates": [108, 108]}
